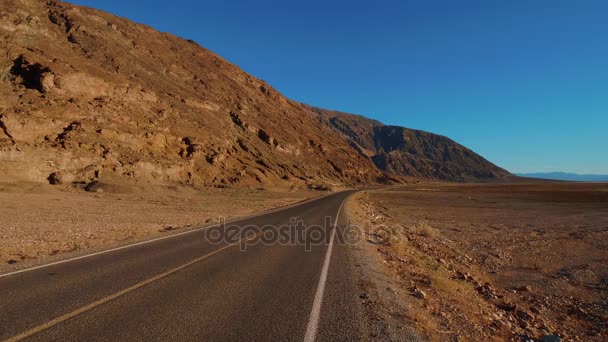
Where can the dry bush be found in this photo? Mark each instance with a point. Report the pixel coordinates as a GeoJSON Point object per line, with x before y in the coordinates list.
{"type": "Point", "coordinates": [398, 237]}
{"type": "Point", "coordinates": [424, 229]}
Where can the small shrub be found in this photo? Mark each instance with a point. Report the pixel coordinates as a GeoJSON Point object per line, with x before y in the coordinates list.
{"type": "Point", "coordinates": [425, 229]}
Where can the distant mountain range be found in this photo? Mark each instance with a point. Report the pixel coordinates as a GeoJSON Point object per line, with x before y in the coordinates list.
{"type": "Point", "coordinates": [566, 176]}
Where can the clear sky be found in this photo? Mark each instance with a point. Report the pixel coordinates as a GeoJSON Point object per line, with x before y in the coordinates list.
{"type": "Point", "coordinates": [522, 82]}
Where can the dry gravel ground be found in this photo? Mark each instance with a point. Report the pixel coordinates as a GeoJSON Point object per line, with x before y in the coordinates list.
{"type": "Point", "coordinates": [485, 262]}
{"type": "Point", "coordinates": [41, 223]}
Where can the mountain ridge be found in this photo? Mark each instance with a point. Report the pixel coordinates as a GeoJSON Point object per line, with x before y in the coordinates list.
{"type": "Point", "coordinates": [411, 152]}
{"type": "Point", "coordinates": [91, 97]}
{"type": "Point", "coordinates": [565, 176]}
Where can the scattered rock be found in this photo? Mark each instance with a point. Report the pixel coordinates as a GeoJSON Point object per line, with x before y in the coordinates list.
{"type": "Point", "coordinates": [419, 293]}
{"type": "Point", "coordinates": [94, 186]}
{"type": "Point", "coordinates": [486, 290]}
{"type": "Point", "coordinates": [11, 261]}
{"type": "Point", "coordinates": [168, 229]}
{"type": "Point", "coordinates": [466, 276]}
{"type": "Point", "coordinates": [521, 314]}
{"type": "Point", "coordinates": [524, 288]}
{"type": "Point", "coordinates": [55, 178]}
{"type": "Point", "coordinates": [507, 306]}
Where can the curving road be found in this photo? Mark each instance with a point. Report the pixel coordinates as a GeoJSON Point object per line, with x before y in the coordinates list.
{"type": "Point", "coordinates": [279, 276]}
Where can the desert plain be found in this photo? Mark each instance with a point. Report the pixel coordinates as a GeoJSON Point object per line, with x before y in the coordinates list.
{"type": "Point", "coordinates": [463, 262]}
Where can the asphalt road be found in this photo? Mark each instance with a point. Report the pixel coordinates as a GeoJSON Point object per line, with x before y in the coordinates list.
{"type": "Point", "coordinates": [264, 278]}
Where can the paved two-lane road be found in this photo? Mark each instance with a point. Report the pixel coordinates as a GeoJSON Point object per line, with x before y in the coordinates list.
{"type": "Point", "coordinates": [246, 287]}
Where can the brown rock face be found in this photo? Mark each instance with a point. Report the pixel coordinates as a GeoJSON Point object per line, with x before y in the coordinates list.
{"type": "Point", "coordinates": [86, 96]}
{"type": "Point", "coordinates": [407, 152]}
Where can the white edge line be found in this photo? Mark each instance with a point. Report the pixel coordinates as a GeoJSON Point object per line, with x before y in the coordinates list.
{"type": "Point", "coordinates": [63, 318]}
{"type": "Point", "coordinates": [289, 206]}
{"type": "Point", "coordinates": [315, 314]}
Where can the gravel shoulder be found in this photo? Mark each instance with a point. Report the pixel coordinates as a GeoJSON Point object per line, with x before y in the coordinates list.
{"type": "Point", "coordinates": [483, 262]}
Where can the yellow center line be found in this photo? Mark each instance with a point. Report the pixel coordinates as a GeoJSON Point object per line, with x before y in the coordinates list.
{"type": "Point", "coordinates": [104, 300]}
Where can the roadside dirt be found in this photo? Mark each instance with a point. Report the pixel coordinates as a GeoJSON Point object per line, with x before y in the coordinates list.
{"type": "Point", "coordinates": [41, 223]}
{"type": "Point", "coordinates": [484, 262]}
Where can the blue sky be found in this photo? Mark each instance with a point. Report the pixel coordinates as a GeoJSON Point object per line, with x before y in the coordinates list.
{"type": "Point", "coordinates": [524, 83]}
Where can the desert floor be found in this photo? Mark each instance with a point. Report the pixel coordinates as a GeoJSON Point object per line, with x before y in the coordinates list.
{"type": "Point", "coordinates": [42, 223]}
{"type": "Point", "coordinates": [484, 261]}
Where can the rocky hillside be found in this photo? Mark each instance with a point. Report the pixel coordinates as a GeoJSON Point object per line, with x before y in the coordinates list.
{"type": "Point", "coordinates": [89, 97]}
{"type": "Point", "coordinates": [408, 152]}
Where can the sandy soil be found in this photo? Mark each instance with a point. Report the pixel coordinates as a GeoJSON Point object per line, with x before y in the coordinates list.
{"type": "Point", "coordinates": [485, 262]}
{"type": "Point", "coordinates": [41, 222]}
